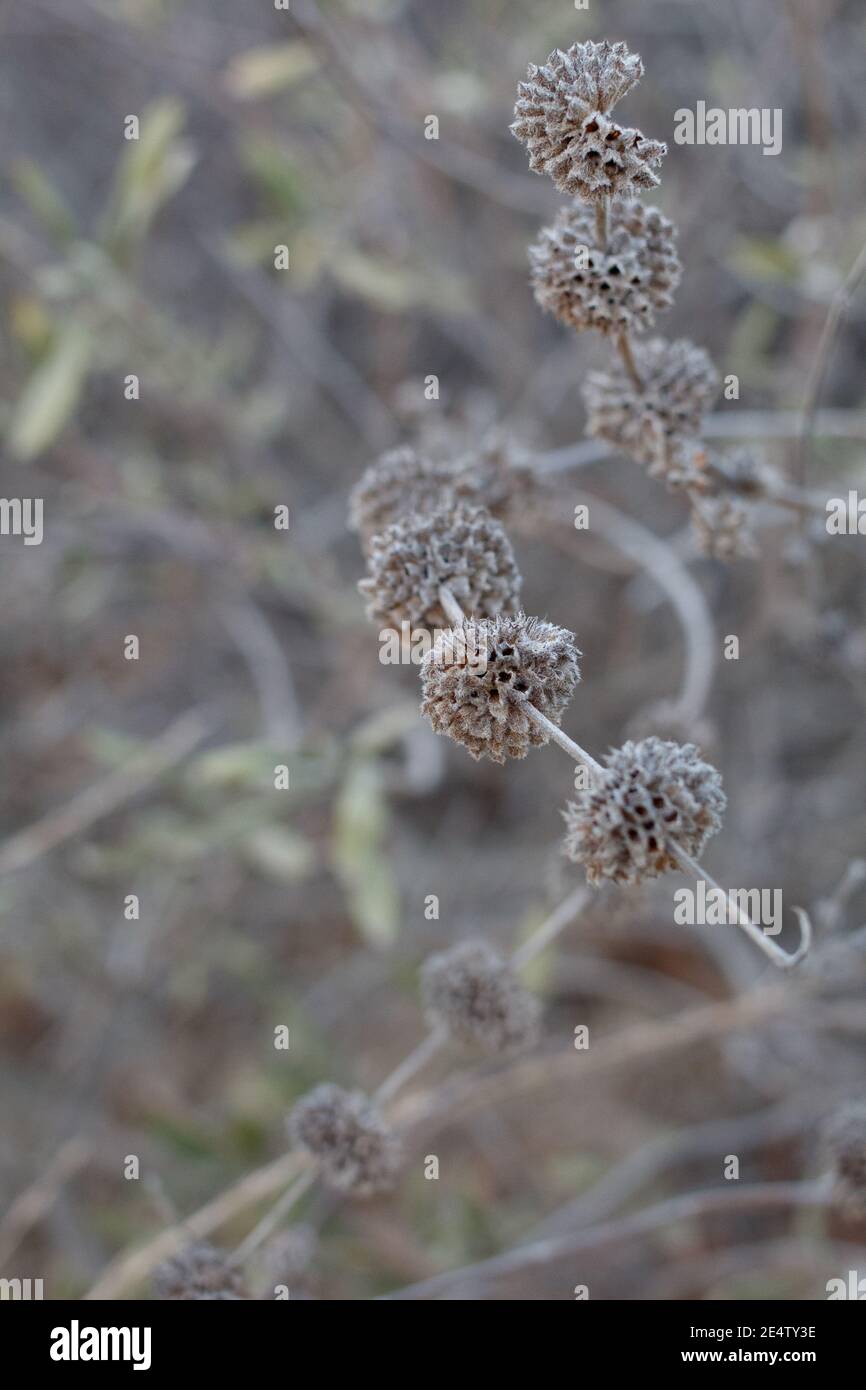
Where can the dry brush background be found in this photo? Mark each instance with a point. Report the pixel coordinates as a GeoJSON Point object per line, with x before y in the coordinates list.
{"type": "Point", "coordinates": [258, 388]}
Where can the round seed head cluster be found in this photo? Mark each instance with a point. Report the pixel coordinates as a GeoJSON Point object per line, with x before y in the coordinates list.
{"type": "Point", "coordinates": [846, 1140]}
{"type": "Point", "coordinates": [723, 529]}
{"type": "Point", "coordinates": [476, 680]}
{"type": "Point", "coordinates": [497, 474]}
{"type": "Point", "coordinates": [650, 795]}
{"type": "Point", "coordinates": [475, 995]}
{"type": "Point", "coordinates": [356, 1150]}
{"type": "Point", "coordinates": [200, 1272]}
{"type": "Point", "coordinates": [561, 115]}
{"type": "Point", "coordinates": [462, 547]}
{"type": "Point", "coordinates": [614, 290]}
{"type": "Point", "coordinates": [679, 382]}
{"type": "Point", "coordinates": [399, 482]}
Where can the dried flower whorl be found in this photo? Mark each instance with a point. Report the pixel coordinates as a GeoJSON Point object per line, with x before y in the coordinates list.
{"type": "Point", "coordinates": [355, 1148]}
{"type": "Point", "coordinates": [399, 483]}
{"type": "Point", "coordinates": [286, 1261]}
{"type": "Point", "coordinates": [476, 679]}
{"type": "Point", "coordinates": [200, 1272]}
{"type": "Point", "coordinates": [650, 795]}
{"type": "Point", "coordinates": [475, 995]}
{"type": "Point", "coordinates": [846, 1140]}
{"type": "Point", "coordinates": [723, 529]}
{"type": "Point", "coordinates": [679, 382]}
{"type": "Point", "coordinates": [615, 289]}
{"type": "Point", "coordinates": [462, 547]}
{"type": "Point", "coordinates": [561, 117]}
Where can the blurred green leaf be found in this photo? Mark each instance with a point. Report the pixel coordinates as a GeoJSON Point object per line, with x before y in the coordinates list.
{"type": "Point", "coordinates": [360, 857]}
{"type": "Point", "coordinates": [51, 395]}
{"type": "Point", "coordinates": [151, 170]}
{"type": "Point", "coordinates": [764, 258]}
{"type": "Point", "coordinates": [279, 852]}
{"type": "Point", "coordinates": [43, 199]}
{"type": "Point", "coordinates": [278, 178]}
{"type": "Point", "coordinates": [261, 71]}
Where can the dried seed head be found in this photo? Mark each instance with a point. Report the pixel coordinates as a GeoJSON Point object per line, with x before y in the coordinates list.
{"type": "Point", "coordinates": [650, 795]}
{"type": "Point", "coordinates": [475, 995]}
{"type": "Point", "coordinates": [476, 679]}
{"type": "Point", "coordinates": [723, 528]}
{"type": "Point", "coordinates": [846, 1140]}
{"type": "Point", "coordinates": [400, 483]}
{"type": "Point", "coordinates": [616, 289]}
{"type": "Point", "coordinates": [561, 117]}
{"type": "Point", "coordinates": [200, 1272]}
{"type": "Point", "coordinates": [356, 1150]}
{"type": "Point", "coordinates": [462, 547]}
{"type": "Point", "coordinates": [679, 382]}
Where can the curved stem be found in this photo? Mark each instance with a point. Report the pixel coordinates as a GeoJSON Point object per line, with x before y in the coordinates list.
{"type": "Point", "coordinates": [775, 953]}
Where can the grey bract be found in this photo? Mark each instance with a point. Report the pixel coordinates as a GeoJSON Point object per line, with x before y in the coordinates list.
{"type": "Point", "coordinates": [356, 1149]}
{"type": "Point", "coordinates": [462, 546]}
{"type": "Point", "coordinates": [561, 115]}
{"type": "Point", "coordinates": [650, 796]}
{"type": "Point", "coordinates": [723, 528]}
{"type": "Point", "coordinates": [614, 290]}
{"type": "Point", "coordinates": [678, 384]}
{"type": "Point", "coordinates": [477, 679]}
{"type": "Point", "coordinates": [200, 1272]}
{"type": "Point", "coordinates": [475, 995]}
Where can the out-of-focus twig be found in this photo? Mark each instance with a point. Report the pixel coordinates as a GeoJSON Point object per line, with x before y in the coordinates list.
{"type": "Point", "coordinates": [98, 801]}
{"type": "Point", "coordinates": [31, 1205]}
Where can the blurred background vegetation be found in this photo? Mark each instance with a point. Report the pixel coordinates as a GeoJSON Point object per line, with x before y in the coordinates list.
{"type": "Point", "coordinates": [261, 388]}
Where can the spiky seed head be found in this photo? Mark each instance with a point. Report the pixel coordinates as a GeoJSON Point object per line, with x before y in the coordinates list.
{"type": "Point", "coordinates": [476, 680]}
{"type": "Point", "coordinates": [497, 474]}
{"type": "Point", "coordinates": [474, 994]}
{"type": "Point", "coordinates": [401, 482]}
{"type": "Point", "coordinates": [614, 289]}
{"type": "Point", "coordinates": [678, 385]}
{"type": "Point", "coordinates": [462, 547]}
{"type": "Point", "coordinates": [356, 1149]}
{"type": "Point", "coordinates": [650, 796]}
{"type": "Point", "coordinates": [561, 116]}
{"type": "Point", "coordinates": [200, 1272]}
{"type": "Point", "coordinates": [286, 1260]}
{"type": "Point", "coordinates": [723, 528]}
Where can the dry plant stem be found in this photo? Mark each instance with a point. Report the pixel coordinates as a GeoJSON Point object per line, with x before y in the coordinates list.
{"type": "Point", "coordinates": [558, 920]}
{"type": "Point", "coordinates": [410, 1066]}
{"type": "Point", "coordinates": [272, 1219]}
{"type": "Point", "coordinates": [89, 806]}
{"type": "Point", "coordinates": [686, 597]}
{"type": "Point", "coordinates": [838, 308]}
{"type": "Point", "coordinates": [623, 345]}
{"type": "Point", "coordinates": [601, 223]}
{"type": "Point", "coordinates": [688, 1207]}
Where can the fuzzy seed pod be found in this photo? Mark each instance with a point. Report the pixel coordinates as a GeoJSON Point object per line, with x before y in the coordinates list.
{"type": "Point", "coordinates": [474, 994]}
{"type": "Point", "coordinates": [497, 474]}
{"type": "Point", "coordinates": [356, 1150]}
{"type": "Point", "coordinates": [462, 547]}
{"type": "Point", "coordinates": [476, 679]}
{"type": "Point", "coordinates": [679, 382]}
{"type": "Point", "coordinates": [722, 527]}
{"type": "Point", "coordinates": [200, 1272]}
{"type": "Point", "coordinates": [561, 117]}
{"type": "Point", "coordinates": [651, 794]}
{"type": "Point", "coordinates": [613, 290]}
